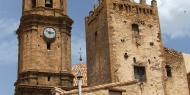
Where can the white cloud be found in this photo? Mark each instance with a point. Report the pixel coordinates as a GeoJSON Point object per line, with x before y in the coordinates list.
{"type": "Point", "coordinates": [174, 16]}
{"type": "Point", "coordinates": [8, 41]}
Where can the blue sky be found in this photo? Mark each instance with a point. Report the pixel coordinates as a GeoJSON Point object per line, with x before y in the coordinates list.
{"type": "Point", "coordinates": [174, 17]}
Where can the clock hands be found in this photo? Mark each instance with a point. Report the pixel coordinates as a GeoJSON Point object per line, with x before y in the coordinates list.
{"type": "Point", "coordinates": [50, 32]}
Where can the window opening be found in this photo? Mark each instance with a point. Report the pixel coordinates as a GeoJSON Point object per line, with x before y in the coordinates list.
{"type": "Point", "coordinates": [135, 29]}
{"type": "Point", "coordinates": [33, 3]}
{"type": "Point", "coordinates": [126, 7]}
{"type": "Point", "coordinates": [151, 12]}
{"type": "Point", "coordinates": [49, 78]}
{"type": "Point", "coordinates": [114, 6]}
{"type": "Point", "coordinates": [96, 42]}
{"type": "Point", "coordinates": [61, 2]}
{"type": "Point", "coordinates": [126, 56]}
{"type": "Point", "coordinates": [144, 10]}
{"type": "Point", "coordinates": [120, 7]}
{"type": "Point", "coordinates": [140, 10]}
{"type": "Point", "coordinates": [151, 43]}
{"type": "Point", "coordinates": [115, 92]}
{"type": "Point", "coordinates": [49, 3]}
{"type": "Point", "coordinates": [134, 60]}
{"type": "Point", "coordinates": [137, 10]}
{"type": "Point", "coordinates": [168, 71]}
{"type": "Point", "coordinates": [129, 9]}
{"type": "Point", "coordinates": [96, 35]}
{"type": "Point", "coordinates": [149, 61]}
{"type": "Point", "coordinates": [140, 73]}
{"type": "Point", "coordinates": [48, 45]}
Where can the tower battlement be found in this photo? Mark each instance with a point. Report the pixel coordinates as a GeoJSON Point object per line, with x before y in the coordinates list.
{"type": "Point", "coordinates": [126, 6]}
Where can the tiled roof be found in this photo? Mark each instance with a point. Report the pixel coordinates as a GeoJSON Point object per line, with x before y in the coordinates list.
{"type": "Point", "coordinates": [83, 70]}
{"type": "Point", "coordinates": [98, 87]}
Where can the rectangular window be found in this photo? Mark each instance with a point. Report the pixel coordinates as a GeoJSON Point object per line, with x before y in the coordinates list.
{"type": "Point", "coordinates": [168, 71]}
{"type": "Point", "coordinates": [135, 28]}
{"type": "Point", "coordinates": [140, 73]}
{"type": "Point", "coordinates": [48, 45]}
{"type": "Point", "coordinates": [96, 39]}
{"type": "Point", "coordinates": [115, 93]}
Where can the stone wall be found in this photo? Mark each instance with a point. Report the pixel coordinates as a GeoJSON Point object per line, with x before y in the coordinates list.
{"type": "Point", "coordinates": [126, 49]}
{"type": "Point", "coordinates": [98, 65]}
{"type": "Point", "coordinates": [142, 49]}
{"type": "Point", "coordinates": [177, 83]}
{"type": "Point", "coordinates": [188, 79]}
{"type": "Point", "coordinates": [41, 65]}
{"type": "Point", "coordinates": [33, 53]}
{"type": "Point", "coordinates": [187, 61]}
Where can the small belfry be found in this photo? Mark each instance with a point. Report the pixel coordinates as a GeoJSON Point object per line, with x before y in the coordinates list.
{"type": "Point", "coordinates": [44, 37]}
{"type": "Point", "coordinates": [45, 7]}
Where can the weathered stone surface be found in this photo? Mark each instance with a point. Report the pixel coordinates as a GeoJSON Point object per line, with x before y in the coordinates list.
{"type": "Point", "coordinates": [187, 61]}
{"type": "Point", "coordinates": [40, 68]}
{"type": "Point", "coordinates": [109, 36]}
{"type": "Point", "coordinates": [120, 35]}
{"type": "Point", "coordinates": [82, 68]}
{"type": "Point", "coordinates": [177, 84]}
{"type": "Point", "coordinates": [98, 67]}
{"type": "Point", "coordinates": [114, 47]}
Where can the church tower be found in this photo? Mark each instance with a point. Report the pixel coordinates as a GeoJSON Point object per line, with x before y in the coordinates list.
{"type": "Point", "coordinates": [44, 37]}
{"type": "Point", "coordinates": [124, 43]}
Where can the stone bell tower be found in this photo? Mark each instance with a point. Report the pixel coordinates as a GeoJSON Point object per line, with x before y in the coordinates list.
{"type": "Point", "coordinates": [44, 37]}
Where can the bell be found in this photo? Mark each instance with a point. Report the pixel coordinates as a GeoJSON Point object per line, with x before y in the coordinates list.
{"type": "Point", "coordinates": [48, 2]}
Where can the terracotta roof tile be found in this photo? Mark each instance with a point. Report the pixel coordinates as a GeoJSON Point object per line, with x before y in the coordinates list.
{"type": "Point", "coordinates": [83, 69]}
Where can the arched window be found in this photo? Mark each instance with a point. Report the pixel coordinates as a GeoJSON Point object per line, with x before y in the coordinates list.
{"type": "Point", "coordinates": [168, 70]}
{"type": "Point", "coordinates": [33, 3]}
{"type": "Point", "coordinates": [135, 28]}
{"type": "Point", "coordinates": [49, 3]}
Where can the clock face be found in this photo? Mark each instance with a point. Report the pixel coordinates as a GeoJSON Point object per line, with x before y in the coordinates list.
{"type": "Point", "coordinates": [49, 33]}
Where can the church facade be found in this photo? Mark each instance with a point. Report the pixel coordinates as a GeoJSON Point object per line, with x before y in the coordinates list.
{"type": "Point", "coordinates": [125, 52]}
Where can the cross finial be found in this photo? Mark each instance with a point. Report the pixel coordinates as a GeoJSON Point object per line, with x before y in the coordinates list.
{"type": "Point", "coordinates": [80, 54]}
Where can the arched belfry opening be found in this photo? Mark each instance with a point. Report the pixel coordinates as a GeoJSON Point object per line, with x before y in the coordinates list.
{"type": "Point", "coordinates": [33, 3]}
{"type": "Point", "coordinates": [49, 3]}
